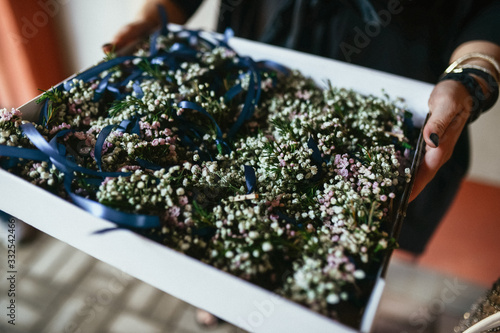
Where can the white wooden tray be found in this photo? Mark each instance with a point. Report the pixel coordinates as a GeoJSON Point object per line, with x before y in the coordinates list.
{"type": "Point", "coordinates": [236, 301]}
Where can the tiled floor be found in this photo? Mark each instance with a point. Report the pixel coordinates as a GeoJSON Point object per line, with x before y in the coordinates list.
{"type": "Point", "coordinates": [60, 289]}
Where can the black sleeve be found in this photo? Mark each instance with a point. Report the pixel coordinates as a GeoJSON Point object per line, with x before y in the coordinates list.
{"type": "Point", "coordinates": [484, 24]}
{"type": "Point", "coordinates": [188, 6]}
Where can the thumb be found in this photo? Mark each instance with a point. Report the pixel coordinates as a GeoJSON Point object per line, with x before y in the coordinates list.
{"type": "Point", "coordinates": [448, 100]}
{"type": "Point", "coordinates": [129, 34]}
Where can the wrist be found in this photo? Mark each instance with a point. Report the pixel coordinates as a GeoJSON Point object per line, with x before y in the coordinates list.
{"type": "Point", "coordinates": [476, 60]}
{"type": "Point", "coordinates": [479, 74]}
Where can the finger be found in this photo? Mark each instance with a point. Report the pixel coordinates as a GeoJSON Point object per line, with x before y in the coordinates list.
{"type": "Point", "coordinates": [133, 32]}
{"type": "Point", "coordinates": [434, 158]}
{"type": "Point", "coordinates": [426, 171]}
{"type": "Point", "coordinates": [108, 48]}
{"type": "Point", "coordinates": [448, 99]}
{"type": "Point", "coordinates": [129, 34]}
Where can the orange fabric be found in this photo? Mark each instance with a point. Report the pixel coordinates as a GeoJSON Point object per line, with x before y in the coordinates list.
{"type": "Point", "coordinates": [466, 242]}
{"type": "Point", "coordinates": [29, 53]}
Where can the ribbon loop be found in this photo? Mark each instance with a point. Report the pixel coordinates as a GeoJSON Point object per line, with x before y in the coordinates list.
{"type": "Point", "coordinates": [251, 179]}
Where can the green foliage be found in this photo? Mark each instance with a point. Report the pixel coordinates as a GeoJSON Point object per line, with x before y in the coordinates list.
{"type": "Point", "coordinates": [120, 105]}
{"type": "Point", "coordinates": [55, 97]}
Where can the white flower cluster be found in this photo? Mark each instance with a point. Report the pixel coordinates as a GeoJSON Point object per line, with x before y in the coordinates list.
{"type": "Point", "coordinates": [10, 133]}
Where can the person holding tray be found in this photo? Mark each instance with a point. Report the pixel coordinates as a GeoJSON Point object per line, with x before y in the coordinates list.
{"type": "Point", "coordinates": [454, 44]}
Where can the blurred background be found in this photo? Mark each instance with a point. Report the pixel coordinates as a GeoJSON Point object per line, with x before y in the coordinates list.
{"type": "Point", "coordinates": [42, 42]}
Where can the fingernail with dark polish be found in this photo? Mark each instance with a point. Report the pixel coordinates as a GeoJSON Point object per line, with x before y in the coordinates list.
{"type": "Point", "coordinates": [107, 47]}
{"type": "Point", "coordinates": [435, 139]}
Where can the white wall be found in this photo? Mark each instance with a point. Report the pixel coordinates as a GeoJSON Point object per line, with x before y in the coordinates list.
{"type": "Point", "coordinates": [485, 137]}
{"type": "Point", "coordinates": [87, 25]}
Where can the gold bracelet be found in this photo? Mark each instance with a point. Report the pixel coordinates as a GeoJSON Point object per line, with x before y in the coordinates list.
{"type": "Point", "coordinates": [459, 69]}
{"type": "Point", "coordinates": [475, 55]}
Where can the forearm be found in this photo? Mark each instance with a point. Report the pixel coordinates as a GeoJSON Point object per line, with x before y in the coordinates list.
{"type": "Point", "coordinates": [484, 47]}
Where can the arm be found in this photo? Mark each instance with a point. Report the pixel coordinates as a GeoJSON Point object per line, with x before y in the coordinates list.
{"type": "Point", "coordinates": [450, 105]}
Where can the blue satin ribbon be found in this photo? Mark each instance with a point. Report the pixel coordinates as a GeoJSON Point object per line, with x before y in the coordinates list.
{"type": "Point", "coordinates": [122, 219]}
{"type": "Point", "coordinates": [289, 219]}
{"type": "Point", "coordinates": [205, 232]}
{"type": "Point", "coordinates": [252, 98]}
{"type": "Point", "coordinates": [134, 76]}
{"type": "Point", "coordinates": [250, 179]}
{"type": "Point", "coordinates": [97, 209]}
{"type": "Point", "coordinates": [163, 19]}
{"type": "Point", "coordinates": [148, 165]}
{"type": "Point", "coordinates": [26, 153]}
{"type": "Point", "coordinates": [316, 158]}
{"type": "Point", "coordinates": [48, 152]}
{"type": "Point", "coordinates": [130, 126]}
{"type": "Point", "coordinates": [228, 34]}
{"type": "Point", "coordinates": [38, 140]}
{"type": "Point", "coordinates": [222, 146]}
{"type": "Point", "coordinates": [99, 144]}
{"type": "Point", "coordinates": [200, 109]}
{"type": "Point", "coordinates": [51, 152]}
{"type": "Point", "coordinates": [270, 65]}
{"type": "Point", "coordinates": [316, 155]}
{"type": "Point", "coordinates": [233, 92]}
{"type": "Point", "coordinates": [254, 91]}
{"type": "Point", "coordinates": [194, 38]}
{"type": "Point", "coordinates": [138, 90]}
{"type": "Point", "coordinates": [43, 117]}
{"type": "Point", "coordinates": [153, 49]}
{"type": "Point", "coordinates": [61, 162]}
{"type": "Point", "coordinates": [103, 85]}
{"type": "Point", "coordinates": [94, 72]}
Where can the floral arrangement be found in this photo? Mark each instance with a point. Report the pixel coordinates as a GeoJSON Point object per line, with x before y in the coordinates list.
{"type": "Point", "coordinates": [247, 166]}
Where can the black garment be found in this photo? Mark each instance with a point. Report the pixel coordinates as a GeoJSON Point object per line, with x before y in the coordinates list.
{"type": "Point", "coordinates": [412, 38]}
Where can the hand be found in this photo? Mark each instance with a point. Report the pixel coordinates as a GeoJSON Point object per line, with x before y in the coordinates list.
{"type": "Point", "coordinates": [129, 35]}
{"type": "Point", "coordinates": [147, 22]}
{"type": "Point", "coordinates": [449, 106]}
